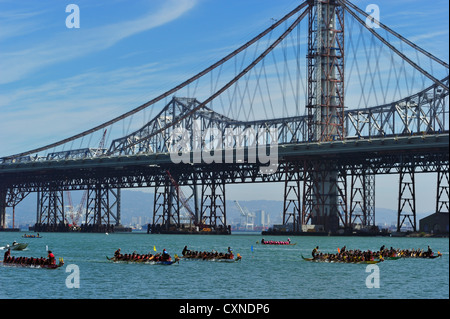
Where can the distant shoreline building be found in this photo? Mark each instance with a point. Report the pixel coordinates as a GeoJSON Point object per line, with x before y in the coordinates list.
{"type": "Point", "coordinates": [436, 223]}
{"type": "Point", "coordinates": [262, 219]}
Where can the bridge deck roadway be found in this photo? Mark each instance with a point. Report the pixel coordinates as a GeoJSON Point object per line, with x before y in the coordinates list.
{"type": "Point", "coordinates": [144, 170]}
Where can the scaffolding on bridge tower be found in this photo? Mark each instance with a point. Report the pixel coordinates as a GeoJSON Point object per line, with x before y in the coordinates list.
{"type": "Point", "coordinates": [322, 191]}
{"type": "Point", "coordinates": [325, 71]}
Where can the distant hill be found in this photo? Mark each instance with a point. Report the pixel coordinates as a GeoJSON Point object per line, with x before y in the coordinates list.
{"type": "Point", "coordinates": [136, 203]}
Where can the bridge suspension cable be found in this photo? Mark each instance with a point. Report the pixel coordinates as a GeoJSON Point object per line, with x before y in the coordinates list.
{"type": "Point", "coordinates": [167, 93]}
{"type": "Point", "coordinates": [385, 27]}
{"type": "Point", "coordinates": [394, 49]}
{"type": "Point", "coordinates": [241, 74]}
{"type": "Point", "coordinates": [228, 85]}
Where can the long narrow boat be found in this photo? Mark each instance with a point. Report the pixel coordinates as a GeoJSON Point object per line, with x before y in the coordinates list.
{"type": "Point", "coordinates": [341, 261]}
{"type": "Point", "coordinates": [226, 260]}
{"type": "Point", "coordinates": [142, 261]}
{"type": "Point", "coordinates": [430, 257]}
{"type": "Point", "coordinates": [45, 266]}
{"type": "Point", "coordinates": [276, 243]}
{"type": "Point", "coordinates": [31, 236]}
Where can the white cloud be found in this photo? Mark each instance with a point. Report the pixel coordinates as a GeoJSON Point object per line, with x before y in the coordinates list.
{"type": "Point", "coordinates": [16, 65]}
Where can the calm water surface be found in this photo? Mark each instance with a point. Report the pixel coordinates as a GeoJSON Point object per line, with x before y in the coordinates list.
{"type": "Point", "coordinates": [273, 272]}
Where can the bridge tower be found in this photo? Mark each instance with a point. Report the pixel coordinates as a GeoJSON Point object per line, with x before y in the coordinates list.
{"type": "Point", "coordinates": [325, 107]}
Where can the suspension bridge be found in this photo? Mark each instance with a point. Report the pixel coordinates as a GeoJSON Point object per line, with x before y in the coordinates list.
{"type": "Point", "coordinates": [321, 101]}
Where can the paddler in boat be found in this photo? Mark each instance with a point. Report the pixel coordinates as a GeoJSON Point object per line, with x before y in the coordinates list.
{"type": "Point", "coordinates": [165, 255]}
{"type": "Point", "coordinates": [262, 241]}
{"type": "Point", "coordinates": [51, 258]}
{"type": "Point", "coordinates": [314, 251]}
{"type": "Point", "coordinates": [185, 251]}
{"type": "Point", "coordinates": [7, 254]}
{"type": "Point", "coordinates": [230, 254]}
{"type": "Point", "coordinates": [117, 253]}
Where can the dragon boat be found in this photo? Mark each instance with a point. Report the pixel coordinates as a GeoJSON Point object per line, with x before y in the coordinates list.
{"type": "Point", "coordinates": [143, 261]}
{"type": "Point", "coordinates": [276, 242]}
{"type": "Point", "coordinates": [422, 257]}
{"type": "Point", "coordinates": [31, 236]}
{"type": "Point", "coordinates": [228, 259]}
{"type": "Point", "coordinates": [326, 260]}
{"type": "Point", "coordinates": [30, 264]}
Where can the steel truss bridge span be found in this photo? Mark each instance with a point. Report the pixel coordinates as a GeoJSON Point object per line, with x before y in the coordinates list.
{"type": "Point", "coordinates": [353, 160]}
{"type": "Point", "coordinates": [423, 113]}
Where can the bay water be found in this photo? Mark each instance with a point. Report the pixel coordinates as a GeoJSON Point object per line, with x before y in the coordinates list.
{"type": "Point", "coordinates": [265, 272]}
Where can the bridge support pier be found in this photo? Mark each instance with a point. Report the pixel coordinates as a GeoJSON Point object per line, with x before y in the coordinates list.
{"type": "Point", "coordinates": [213, 208]}
{"type": "Point", "coordinates": [50, 211]}
{"type": "Point", "coordinates": [3, 192]}
{"type": "Point", "coordinates": [406, 198]}
{"type": "Point", "coordinates": [166, 207]}
{"type": "Point", "coordinates": [323, 195]}
{"type": "Point", "coordinates": [292, 192]}
{"type": "Point", "coordinates": [362, 198]}
{"type": "Point", "coordinates": [100, 205]}
{"type": "Point", "coordinates": [442, 195]}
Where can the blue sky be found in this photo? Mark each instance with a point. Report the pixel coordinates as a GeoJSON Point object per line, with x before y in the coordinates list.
{"type": "Point", "coordinates": [56, 82]}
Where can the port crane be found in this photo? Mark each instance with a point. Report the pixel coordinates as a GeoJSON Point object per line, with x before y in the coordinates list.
{"type": "Point", "coordinates": [245, 213]}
